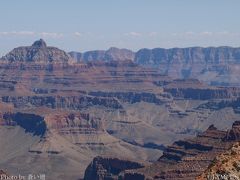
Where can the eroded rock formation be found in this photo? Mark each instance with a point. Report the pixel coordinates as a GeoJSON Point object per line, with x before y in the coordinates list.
{"type": "Point", "coordinates": [108, 168]}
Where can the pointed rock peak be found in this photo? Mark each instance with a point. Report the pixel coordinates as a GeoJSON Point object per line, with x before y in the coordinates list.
{"type": "Point", "coordinates": [212, 127]}
{"type": "Point", "coordinates": [236, 124]}
{"type": "Point", "coordinates": [40, 44]}
{"type": "Point", "coordinates": [113, 49]}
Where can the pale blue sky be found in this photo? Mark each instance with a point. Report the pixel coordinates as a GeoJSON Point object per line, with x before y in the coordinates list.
{"type": "Point", "coordinates": [82, 25]}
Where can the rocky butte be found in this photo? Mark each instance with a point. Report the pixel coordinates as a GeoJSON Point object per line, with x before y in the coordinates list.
{"type": "Point", "coordinates": [38, 52]}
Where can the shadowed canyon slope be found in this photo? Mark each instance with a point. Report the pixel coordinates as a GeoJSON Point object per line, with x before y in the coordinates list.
{"type": "Point", "coordinates": [63, 114]}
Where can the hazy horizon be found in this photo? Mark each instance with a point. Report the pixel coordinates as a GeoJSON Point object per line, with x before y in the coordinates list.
{"type": "Point", "coordinates": [93, 25]}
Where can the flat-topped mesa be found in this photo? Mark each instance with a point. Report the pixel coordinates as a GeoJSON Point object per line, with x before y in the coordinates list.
{"type": "Point", "coordinates": [39, 52]}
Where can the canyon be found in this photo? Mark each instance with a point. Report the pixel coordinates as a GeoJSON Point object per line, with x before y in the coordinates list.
{"type": "Point", "coordinates": [115, 113]}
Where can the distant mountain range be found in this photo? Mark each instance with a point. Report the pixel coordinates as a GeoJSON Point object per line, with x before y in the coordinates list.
{"type": "Point", "coordinates": [213, 65]}
{"type": "Point", "coordinates": [151, 57]}
{"type": "Point", "coordinates": [157, 56]}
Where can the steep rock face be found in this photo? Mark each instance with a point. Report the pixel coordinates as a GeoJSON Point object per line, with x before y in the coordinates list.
{"type": "Point", "coordinates": [214, 65]}
{"type": "Point", "coordinates": [115, 54]}
{"type": "Point", "coordinates": [156, 56]}
{"type": "Point", "coordinates": [203, 143]}
{"type": "Point", "coordinates": [77, 56]}
{"type": "Point", "coordinates": [188, 55]}
{"type": "Point", "coordinates": [38, 52]}
{"type": "Point", "coordinates": [234, 133]}
{"type": "Point", "coordinates": [224, 166]}
{"type": "Point", "coordinates": [112, 54]}
{"type": "Point", "coordinates": [108, 168]}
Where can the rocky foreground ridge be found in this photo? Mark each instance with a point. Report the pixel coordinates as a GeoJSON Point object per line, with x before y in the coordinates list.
{"type": "Point", "coordinates": [185, 159]}
{"type": "Point", "coordinates": [224, 166]}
